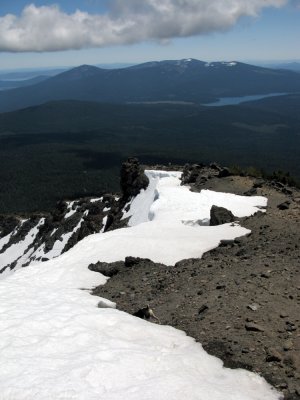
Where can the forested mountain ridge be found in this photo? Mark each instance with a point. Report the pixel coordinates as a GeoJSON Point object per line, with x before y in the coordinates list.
{"type": "Point", "coordinates": [170, 81]}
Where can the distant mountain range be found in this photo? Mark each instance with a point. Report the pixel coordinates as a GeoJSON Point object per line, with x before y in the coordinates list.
{"type": "Point", "coordinates": [12, 84]}
{"type": "Point", "coordinates": [187, 80]}
{"type": "Point", "coordinates": [292, 66]}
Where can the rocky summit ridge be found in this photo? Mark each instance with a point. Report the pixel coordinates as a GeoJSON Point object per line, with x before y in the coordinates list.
{"type": "Point", "coordinates": [241, 300]}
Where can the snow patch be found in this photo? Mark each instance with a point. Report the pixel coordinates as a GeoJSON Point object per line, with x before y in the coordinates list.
{"type": "Point", "coordinates": [56, 343]}
{"type": "Point", "coordinates": [71, 209]}
{"type": "Point", "coordinates": [229, 63]}
{"type": "Point", "coordinates": [104, 224]}
{"type": "Point", "coordinates": [95, 200]}
{"type": "Point", "coordinates": [160, 228]}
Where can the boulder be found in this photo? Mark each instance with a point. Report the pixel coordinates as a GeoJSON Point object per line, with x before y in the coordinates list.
{"type": "Point", "coordinates": [107, 269]}
{"type": "Point", "coordinates": [220, 215]}
{"type": "Point", "coordinates": [251, 192]}
{"type": "Point", "coordinates": [259, 183]}
{"type": "Point", "coordinates": [224, 172]}
{"type": "Point", "coordinates": [191, 173]}
{"type": "Point", "coordinates": [284, 206]}
{"type": "Point", "coordinates": [8, 224]}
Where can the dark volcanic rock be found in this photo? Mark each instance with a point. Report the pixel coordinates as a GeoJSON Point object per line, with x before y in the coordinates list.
{"type": "Point", "coordinates": [76, 220]}
{"type": "Point", "coordinates": [133, 261]}
{"type": "Point", "coordinates": [251, 192]}
{"type": "Point", "coordinates": [258, 183]}
{"type": "Point", "coordinates": [191, 173]}
{"type": "Point", "coordinates": [284, 206]}
{"type": "Point", "coordinates": [7, 224]}
{"type": "Point", "coordinates": [133, 178]}
{"type": "Point", "coordinates": [224, 173]}
{"type": "Point", "coordinates": [107, 269]}
{"type": "Point", "coordinates": [220, 215]}
{"type": "Point", "coordinates": [252, 327]}
{"type": "Point", "coordinates": [59, 211]}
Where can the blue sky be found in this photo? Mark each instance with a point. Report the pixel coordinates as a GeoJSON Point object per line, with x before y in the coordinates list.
{"type": "Point", "coordinates": [273, 34]}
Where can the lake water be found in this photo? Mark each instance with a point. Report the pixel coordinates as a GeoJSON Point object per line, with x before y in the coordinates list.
{"type": "Point", "coordinates": [229, 101]}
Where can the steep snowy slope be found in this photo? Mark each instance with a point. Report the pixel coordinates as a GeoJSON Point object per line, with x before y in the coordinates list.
{"type": "Point", "coordinates": [56, 344]}
{"type": "Point", "coordinates": [37, 238]}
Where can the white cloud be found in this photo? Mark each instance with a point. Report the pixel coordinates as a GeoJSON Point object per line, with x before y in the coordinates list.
{"type": "Point", "coordinates": [47, 28]}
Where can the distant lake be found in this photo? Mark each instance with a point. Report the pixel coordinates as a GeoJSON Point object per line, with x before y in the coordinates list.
{"type": "Point", "coordinates": [229, 101]}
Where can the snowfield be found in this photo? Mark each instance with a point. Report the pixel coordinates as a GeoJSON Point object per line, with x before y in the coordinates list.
{"type": "Point", "coordinates": [56, 344]}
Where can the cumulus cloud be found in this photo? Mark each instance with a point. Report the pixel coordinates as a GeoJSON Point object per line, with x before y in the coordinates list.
{"type": "Point", "coordinates": [48, 28]}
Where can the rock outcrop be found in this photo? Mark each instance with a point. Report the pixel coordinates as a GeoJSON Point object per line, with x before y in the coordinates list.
{"type": "Point", "coordinates": [133, 178]}
{"type": "Point", "coordinates": [132, 181]}
{"type": "Point", "coordinates": [41, 237]}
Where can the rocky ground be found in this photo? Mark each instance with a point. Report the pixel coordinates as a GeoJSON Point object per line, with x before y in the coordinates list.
{"type": "Point", "coordinates": [241, 300]}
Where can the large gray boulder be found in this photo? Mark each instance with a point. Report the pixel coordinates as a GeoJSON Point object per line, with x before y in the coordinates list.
{"type": "Point", "coordinates": [220, 215]}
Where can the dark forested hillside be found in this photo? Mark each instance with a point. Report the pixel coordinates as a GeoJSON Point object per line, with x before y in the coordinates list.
{"type": "Point", "coordinates": [66, 149]}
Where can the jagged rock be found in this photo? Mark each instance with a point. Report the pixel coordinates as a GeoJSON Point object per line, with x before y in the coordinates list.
{"type": "Point", "coordinates": [202, 309]}
{"type": "Point", "coordinates": [226, 242]}
{"type": "Point", "coordinates": [87, 219]}
{"type": "Point", "coordinates": [22, 231]}
{"type": "Point", "coordinates": [286, 190]}
{"type": "Point", "coordinates": [191, 173]}
{"type": "Point", "coordinates": [114, 220]}
{"type": "Point", "coordinates": [220, 215]}
{"type": "Point", "coordinates": [133, 178]}
{"type": "Point", "coordinates": [145, 313]}
{"type": "Point", "coordinates": [132, 261]}
{"type": "Point", "coordinates": [60, 211]}
{"type": "Point", "coordinates": [273, 355]}
{"type": "Point", "coordinates": [251, 326]}
{"type": "Point", "coordinates": [288, 345]}
{"type": "Point", "coordinates": [7, 224]}
{"type": "Point", "coordinates": [224, 172]}
{"type": "Point", "coordinates": [284, 206]}
{"type": "Point", "coordinates": [251, 192]}
{"type": "Point", "coordinates": [258, 183]}
{"type": "Point", "coordinates": [253, 306]}
{"type": "Point", "coordinates": [107, 269]}
{"type": "Point", "coordinates": [215, 166]}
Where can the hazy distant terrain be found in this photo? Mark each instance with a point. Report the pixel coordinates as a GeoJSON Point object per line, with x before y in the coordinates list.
{"type": "Point", "coordinates": [185, 80]}
{"type": "Point", "coordinates": [12, 84]}
{"type": "Point", "coordinates": [292, 66]}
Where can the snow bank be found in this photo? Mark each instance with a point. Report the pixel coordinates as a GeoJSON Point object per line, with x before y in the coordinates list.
{"type": "Point", "coordinates": [56, 344]}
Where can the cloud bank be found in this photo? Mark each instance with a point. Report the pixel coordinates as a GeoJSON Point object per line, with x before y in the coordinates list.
{"type": "Point", "coordinates": [47, 28]}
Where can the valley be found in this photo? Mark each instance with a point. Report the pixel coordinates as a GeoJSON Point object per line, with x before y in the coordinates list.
{"type": "Point", "coordinates": [83, 143]}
